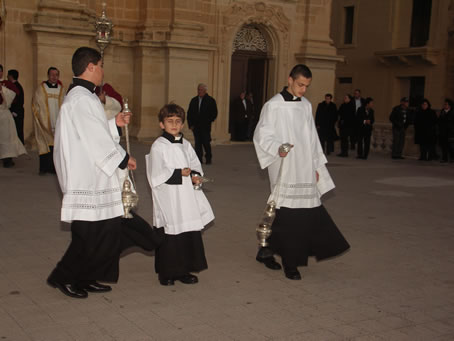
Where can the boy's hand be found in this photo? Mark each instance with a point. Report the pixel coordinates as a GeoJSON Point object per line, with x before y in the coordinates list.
{"type": "Point", "coordinates": [186, 171]}
{"type": "Point", "coordinates": [132, 163]}
{"type": "Point", "coordinates": [285, 149]}
{"type": "Point", "coordinates": [196, 180]}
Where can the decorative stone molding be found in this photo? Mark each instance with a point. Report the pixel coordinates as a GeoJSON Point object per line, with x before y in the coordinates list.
{"type": "Point", "coordinates": [409, 56]}
{"type": "Point", "coordinates": [261, 14]}
{"type": "Point", "coordinates": [249, 38]}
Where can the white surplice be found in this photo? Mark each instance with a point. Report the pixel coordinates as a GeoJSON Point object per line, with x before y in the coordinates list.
{"type": "Point", "coordinates": [10, 145]}
{"type": "Point", "coordinates": [86, 157]}
{"type": "Point", "coordinates": [292, 122]}
{"type": "Point", "coordinates": [177, 208]}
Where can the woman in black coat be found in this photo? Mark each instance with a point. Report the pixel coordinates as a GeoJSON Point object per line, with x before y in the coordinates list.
{"type": "Point", "coordinates": [425, 130]}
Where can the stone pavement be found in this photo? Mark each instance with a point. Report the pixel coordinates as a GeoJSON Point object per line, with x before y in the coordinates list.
{"type": "Point", "coordinates": [396, 282]}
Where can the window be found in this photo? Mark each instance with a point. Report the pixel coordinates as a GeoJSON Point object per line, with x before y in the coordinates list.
{"type": "Point", "coordinates": [420, 22]}
{"type": "Point", "coordinates": [348, 33]}
{"type": "Point", "coordinates": [345, 80]}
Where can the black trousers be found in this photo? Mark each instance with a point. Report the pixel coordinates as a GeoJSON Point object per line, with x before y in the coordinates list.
{"type": "Point", "coordinates": [327, 145]}
{"type": "Point", "coordinates": [46, 162]}
{"type": "Point", "coordinates": [19, 121]}
{"type": "Point", "coordinates": [364, 145]}
{"type": "Point", "coordinates": [93, 254]}
{"type": "Point", "coordinates": [344, 144]}
{"type": "Point", "coordinates": [427, 151]}
{"type": "Point", "coordinates": [202, 137]}
{"type": "Point", "coordinates": [398, 142]}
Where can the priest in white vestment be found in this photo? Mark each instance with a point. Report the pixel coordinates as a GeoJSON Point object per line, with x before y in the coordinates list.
{"type": "Point", "coordinates": [298, 179]}
{"type": "Point", "coordinates": [46, 103]}
{"type": "Point", "coordinates": [86, 158]}
{"type": "Point", "coordinates": [10, 144]}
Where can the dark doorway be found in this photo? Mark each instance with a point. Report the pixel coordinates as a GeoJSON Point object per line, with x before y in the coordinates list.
{"type": "Point", "coordinates": [417, 85]}
{"type": "Point", "coordinates": [249, 73]}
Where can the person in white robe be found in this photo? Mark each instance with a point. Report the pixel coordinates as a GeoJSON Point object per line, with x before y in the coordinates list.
{"type": "Point", "coordinates": [182, 211]}
{"type": "Point", "coordinates": [298, 178]}
{"type": "Point", "coordinates": [86, 158]}
{"type": "Point", "coordinates": [10, 144]}
{"type": "Point", "coordinates": [46, 103]}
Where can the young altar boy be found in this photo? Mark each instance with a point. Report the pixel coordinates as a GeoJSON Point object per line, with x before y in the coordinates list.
{"type": "Point", "coordinates": [182, 211]}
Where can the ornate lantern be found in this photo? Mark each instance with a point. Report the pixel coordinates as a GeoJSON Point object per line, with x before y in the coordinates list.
{"type": "Point", "coordinates": [103, 26]}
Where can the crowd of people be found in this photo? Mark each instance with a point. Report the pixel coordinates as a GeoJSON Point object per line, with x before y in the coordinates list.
{"type": "Point", "coordinates": [352, 124]}
{"type": "Point", "coordinates": [78, 136]}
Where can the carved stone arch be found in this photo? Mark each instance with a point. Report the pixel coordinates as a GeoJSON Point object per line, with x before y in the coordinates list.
{"type": "Point", "coordinates": [272, 23]}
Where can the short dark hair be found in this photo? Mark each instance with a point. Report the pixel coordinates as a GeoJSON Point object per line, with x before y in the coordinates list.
{"type": "Point", "coordinates": [449, 101]}
{"type": "Point", "coordinates": [82, 57]}
{"type": "Point", "coordinates": [428, 103]}
{"type": "Point", "coordinates": [329, 95]}
{"type": "Point", "coordinates": [13, 73]}
{"type": "Point", "coordinates": [359, 90]}
{"type": "Point", "coordinates": [52, 68]}
{"type": "Point", "coordinates": [368, 100]}
{"type": "Point", "coordinates": [300, 70]}
{"type": "Point", "coordinates": [1, 67]}
{"type": "Point", "coordinates": [171, 110]}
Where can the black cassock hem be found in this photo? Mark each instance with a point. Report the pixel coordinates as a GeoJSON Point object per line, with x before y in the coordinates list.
{"type": "Point", "coordinates": [298, 233]}
{"type": "Point", "coordinates": [93, 254]}
{"type": "Point", "coordinates": [180, 254]}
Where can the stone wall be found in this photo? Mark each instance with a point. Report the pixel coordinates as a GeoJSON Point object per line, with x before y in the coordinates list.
{"type": "Point", "coordinates": [162, 49]}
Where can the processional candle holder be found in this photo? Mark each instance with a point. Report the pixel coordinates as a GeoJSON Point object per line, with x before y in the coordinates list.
{"type": "Point", "coordinates": [129, 198]}
{"type": "Point", "coordinates": [103, 26]}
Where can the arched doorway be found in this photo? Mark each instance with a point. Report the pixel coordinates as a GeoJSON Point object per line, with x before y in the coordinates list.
{"type": "Point", "coordinates": [249, 73]}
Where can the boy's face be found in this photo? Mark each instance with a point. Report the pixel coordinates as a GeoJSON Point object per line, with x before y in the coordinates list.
{"type": "Point", "coordinates": [172, 125]}
{"type": "Point", "coordinates": [297, 87]}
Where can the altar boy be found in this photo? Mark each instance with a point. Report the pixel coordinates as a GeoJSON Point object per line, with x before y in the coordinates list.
{"type": "Point", "coordinates": [172, 169]}
{"type": "Point", "coordinates": [302, 226]}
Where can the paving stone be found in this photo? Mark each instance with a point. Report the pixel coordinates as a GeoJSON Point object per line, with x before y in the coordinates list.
{"type": "Point", "coordinates": [396, 282]}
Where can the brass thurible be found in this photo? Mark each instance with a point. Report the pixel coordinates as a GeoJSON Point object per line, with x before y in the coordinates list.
{"type": "Point", "coordinates": [264, 231]}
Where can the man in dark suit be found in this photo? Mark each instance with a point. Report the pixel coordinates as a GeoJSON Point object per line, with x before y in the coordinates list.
{"type": "Point", "coordinates": [201, 113]}
{"type": "Point", "coordinates": [325, 121]}
{"type": "Point", "coordinates": [241, 115]}
{"type": "Point", "coordinates": [359, 102]}
{"type": "Point", "coordinates": [400, 119]}
{"type": "Point", "coordinates": [366, 119]}
{"type": "Point", "coordinates": [17, 107]}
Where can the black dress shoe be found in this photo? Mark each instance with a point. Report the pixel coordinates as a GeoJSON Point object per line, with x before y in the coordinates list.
{"type": "Point", "coordinates": [67, 289]}
{"type": "Point", "coordinates": [293, 274]}
{"type": "Point", "coordinates": [166, 281]}
{"type": "Point", "coordinates": [188, 279]}
{"type": "Point", "coordinates": [342, 155]}
{"type": "Point", "coordinates": [270, 263]}
{"type": "Point", "coordinates": [95, 287]}
{"type": "Point", "coordinates": [8, 162]}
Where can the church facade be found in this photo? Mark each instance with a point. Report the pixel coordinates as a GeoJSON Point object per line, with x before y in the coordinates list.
{"type": "Point", "coordinates": [161, 50]}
